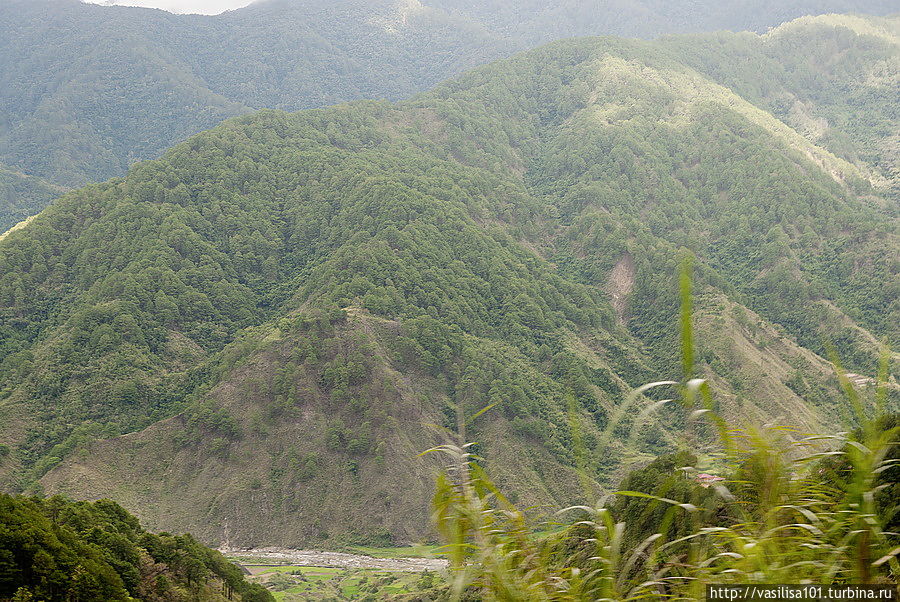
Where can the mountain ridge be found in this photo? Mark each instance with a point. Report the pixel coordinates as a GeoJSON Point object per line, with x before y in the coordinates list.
{"type": "Point", "coordinates": [124, 83]}
{"type": "Point", "coordinates": [256, 307]}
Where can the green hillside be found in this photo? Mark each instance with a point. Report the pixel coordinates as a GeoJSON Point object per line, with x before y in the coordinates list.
{"type": "Point", "coordinates": [86, 90]}
{"type": "Point", "coordinates": [277, 316]}
{"type": "Point", "coordinates": [55, 549]}
{"type": "Point", "coordinates": [839, 91]}
{"type": "Point", "coordinates": [21, 196]}
{"type": "Point", "coordinates": [537, 21]}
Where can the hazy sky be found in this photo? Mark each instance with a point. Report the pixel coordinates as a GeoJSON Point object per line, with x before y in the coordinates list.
{"type": "Point", "coordinates": [206, 7]}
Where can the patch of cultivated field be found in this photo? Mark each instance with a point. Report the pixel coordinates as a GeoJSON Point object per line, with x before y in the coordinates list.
{"type": "Point", "coordinates": [296, 583]}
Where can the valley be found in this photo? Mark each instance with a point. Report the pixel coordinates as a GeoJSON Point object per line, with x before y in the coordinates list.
{"type": "Point", "coordinates": [433, 301]}
{"type": "Point", "coordinates": [303, 299]}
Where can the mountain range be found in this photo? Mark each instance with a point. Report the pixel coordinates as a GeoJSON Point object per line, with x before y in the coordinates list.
{"type": "Point", "coordinates": [88, 90]}
{"type": "Point", "coordinates": [255, 336]}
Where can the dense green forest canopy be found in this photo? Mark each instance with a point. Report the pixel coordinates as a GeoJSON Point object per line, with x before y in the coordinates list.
{"type": "Point", "coordinates": [538, 21]}
{"type": "Point", "coordinates": [281, 305]}
{"type": "Point", "coordinates": [86, 90]}
{"type": "Point", "coordinates": [54, 549]}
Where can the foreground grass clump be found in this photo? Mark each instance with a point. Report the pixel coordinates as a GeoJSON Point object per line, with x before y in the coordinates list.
{"type": "Point", "coordinates": [780, 507]}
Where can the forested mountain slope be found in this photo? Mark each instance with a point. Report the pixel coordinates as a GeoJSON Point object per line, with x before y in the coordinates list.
{"type": "Point", "coordinates": [86, 90]}
{"type": "Point", "coordinates": [23, 195]}
{"type": "Point", "coordinates": [833, 78]}
{"type": "Point", "coordinates": [537, 21]}
{"type": "Point", "coordinates": [54, 549]}
{"type": "Point", "coordinates": [283, 311]}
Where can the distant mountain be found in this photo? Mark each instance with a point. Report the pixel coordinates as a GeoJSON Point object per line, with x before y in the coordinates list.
{"type": "Point", "coordinates": [22, 194]}
{"type": "Point", "coordinates": [87, 90]}
{"type": "Point", "coordinates": [536, 21]}
{"type": "Point", "coordinates": [279, 314]}
{"type": "Point", "coordinates": [834, 79]}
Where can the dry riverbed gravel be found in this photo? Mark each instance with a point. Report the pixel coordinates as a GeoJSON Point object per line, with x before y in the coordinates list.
{"type": "Point", "coordinates": [286, 556]}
